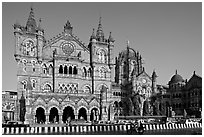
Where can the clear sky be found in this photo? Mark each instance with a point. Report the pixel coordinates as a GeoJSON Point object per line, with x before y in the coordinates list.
{"type": "Point", "coordinates": [168, 35]}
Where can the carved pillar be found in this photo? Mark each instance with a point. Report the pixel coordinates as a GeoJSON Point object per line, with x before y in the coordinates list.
{"type": "Point", "coordinates": [47, 118]}
{"type": "Point", "coordinates": [34, 118]}
{"type": "Point", "coordinates": [76, 116]}
{"type": "Point", "coordinates": [88, 117]}
{"type": "Point", "coordinates": [60, 118]}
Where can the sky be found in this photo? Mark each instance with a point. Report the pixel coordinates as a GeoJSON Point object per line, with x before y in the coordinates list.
{"type": "Point", "coordinates": [167, 35]}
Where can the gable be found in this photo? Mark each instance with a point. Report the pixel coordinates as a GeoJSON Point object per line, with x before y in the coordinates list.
{"type": "Point", "coordinates": [67, 46]}
{"type": "Point", "coordinates": [94, 103]}
{"type": "Point", "coordinates": [54, 101]}
{"type": "Point", "coordinates": [39, 100]}
{"type": "Point", "coordinates": [82, 102]}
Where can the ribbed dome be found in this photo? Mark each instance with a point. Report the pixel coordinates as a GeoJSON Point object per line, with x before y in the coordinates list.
{"type": "Point", "coordinates": [176, 78]}
{"type": "Point", "coordinates": [130, 52]}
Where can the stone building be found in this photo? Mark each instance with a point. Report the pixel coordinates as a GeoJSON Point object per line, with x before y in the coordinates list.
{"type": "Point", "coordinates": [136, 87]}
{"type": "Point", "coordinates": [9, 107]}
{"type": "Point", "coordinates": [176, 85]}
{"type": "Point", "coordinates": [63, 78]}
{"type": "Point", "coordinates": [193, 96]}
{"type": "Point", "coordinates": [185, 95]}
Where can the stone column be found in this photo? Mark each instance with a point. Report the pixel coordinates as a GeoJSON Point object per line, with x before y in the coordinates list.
{"type": "Point", "coordinates": [76, 116]}
{"type": "Point", "coordinates": [34, 119]}
{"type": "Point", "coordinates": [60, 119]}
{"type": "Point", "coordinates": [47, 118]}
{"type": "Point", "coordinates": [88, 117]}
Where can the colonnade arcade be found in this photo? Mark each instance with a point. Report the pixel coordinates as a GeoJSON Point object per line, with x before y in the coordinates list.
{"type": "Point", "coordinates": [55, 115]}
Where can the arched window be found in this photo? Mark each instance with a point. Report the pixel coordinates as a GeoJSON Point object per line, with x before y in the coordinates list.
{"type": "Point", "coordinates": [24, 85]}
{"type": "Point", "coordinates": [84, 72]}
{"type": "Point", "coordinates": [60, 69]}
{"type": "Point", "coordinates": [47, 88]}
{"type": "Point", "coordinates": [70, 69]}
{"type": "Point", "coordinates": [34, 83]}
{"type": "Point", "coordinates": [102, 56]}
{"type": "Point", "coordinates": [65, 69]}
{"type": "Point", "coordinates": [50, 69]}
{"type": "Point", "coordinates": [44, 69]}
{"type": "Point", "coordinates": [75, 70]}
{"type": "Point", "coordinates": [87, 89]}
{"type": "Point", "coordinates": [89, 72]}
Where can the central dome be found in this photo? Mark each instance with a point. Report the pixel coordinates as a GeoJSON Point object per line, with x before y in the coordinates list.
{"type": "Point", "coordinates": [131, 54]}
{"type": "Point", "coordinates": [176, 78]}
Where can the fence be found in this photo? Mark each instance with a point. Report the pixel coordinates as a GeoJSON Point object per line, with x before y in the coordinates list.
{"type": "Point", "coordinates": [91, 128]}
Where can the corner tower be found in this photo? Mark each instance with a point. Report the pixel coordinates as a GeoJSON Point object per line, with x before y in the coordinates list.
{"type": "Point", "coordinates": [29, 41]}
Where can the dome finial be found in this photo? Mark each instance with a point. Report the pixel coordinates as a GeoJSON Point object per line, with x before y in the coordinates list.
{"type": "Point", "coordinates": [176, 72]}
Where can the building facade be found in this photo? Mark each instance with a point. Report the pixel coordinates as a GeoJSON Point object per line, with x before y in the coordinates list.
{"type": "Point", "coordinates": [63, 78]}
{"type": "Point", "coordinates": [9, 107]}
{"type": "Point", "coordinates": [185, 95]}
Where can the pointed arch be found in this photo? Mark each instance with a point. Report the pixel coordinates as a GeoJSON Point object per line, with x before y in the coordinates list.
{"type": "Point", "coordinates": [44, 69]}
{"type": "Point", "coordinates": [75, 70]}
{"type": "Point", "coordinates": [65, 69]}
{"type": "Point", "coordinates": [50, 69]}
{"type": "Point", "coordinates": [84, 74]}
{"type": "Point", "coordinates": [70, 69]}
{"type": "Point", "coordinates": [61, 69]}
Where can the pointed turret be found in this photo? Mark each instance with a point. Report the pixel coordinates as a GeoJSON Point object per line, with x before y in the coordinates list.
{"type": "Point", "coordinates": [31, 23]}
{"type": "Point", "coordinates": [99, 33]}
{"type": "Point", "coordinates": [93, 36]}
{"type": "Point", "coordinates": [110, 39]}
{"type": "Point", "coordinates": [154, 76]}
{"type": "Point", "coordinates": [154, 82]}
{"type": "Point", "coordinates": [16, 25]}
{"type": "Point", "coordinates": [68, 28]}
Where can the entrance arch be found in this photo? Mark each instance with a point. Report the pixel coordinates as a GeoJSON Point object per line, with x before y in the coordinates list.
{"type": "Point", "coordinates": [40, 115]}
{"type": "Point", "coordinates": [54, 117]}
{"type": "Point", "coordinates": [94, 114]}
{"type": "Point", "coordinates": [68, 113]}
{"type": "Point", "coordinates": [82, 113]}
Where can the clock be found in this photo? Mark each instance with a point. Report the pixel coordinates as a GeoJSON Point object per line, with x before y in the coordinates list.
{"type": "Point", "coordinates": [144, 80]}
{"type": "Point", "coordinates": [68, 48]}
{"type": "Point", "coordinates": [28, 47]}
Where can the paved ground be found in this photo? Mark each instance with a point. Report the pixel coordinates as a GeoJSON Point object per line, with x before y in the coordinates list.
{"type": "Point", "coordinates": [152, 132]}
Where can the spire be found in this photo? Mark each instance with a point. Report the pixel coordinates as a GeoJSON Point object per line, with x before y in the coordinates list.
{"type": "Point", "coordinates": [176, 72]}
{"type": "Point", "coordinates": [93, 36]}
{"type": "Point", "coordinates": [154, 75]}
{"type": "Point", "coordinates": [99, 33]}
{"type": "Point", "coordinates": [31, 23]}
{"type": "Point", "coordinates": [68, 28]}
